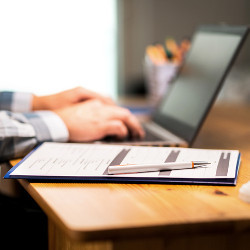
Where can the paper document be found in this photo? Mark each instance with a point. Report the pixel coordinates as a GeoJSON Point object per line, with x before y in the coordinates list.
{"type": "Point", "coordinates": [91, 161]}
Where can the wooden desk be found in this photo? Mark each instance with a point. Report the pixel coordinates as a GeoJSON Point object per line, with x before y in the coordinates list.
{"type": "Point", "coordinates": [126, 216]}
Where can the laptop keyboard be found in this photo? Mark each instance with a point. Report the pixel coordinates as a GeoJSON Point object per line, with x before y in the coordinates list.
{"type": "Point", "coordinates": [150, 136]}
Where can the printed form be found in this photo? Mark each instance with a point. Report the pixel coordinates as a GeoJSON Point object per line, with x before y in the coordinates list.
{"type": "Point", "coordinates": [92, 160]}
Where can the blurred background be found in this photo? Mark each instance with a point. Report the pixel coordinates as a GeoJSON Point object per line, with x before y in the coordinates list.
{"type": "Point", "coordinates": [145, 22]}
{"type": "Point", "coordinates": [51, 45]}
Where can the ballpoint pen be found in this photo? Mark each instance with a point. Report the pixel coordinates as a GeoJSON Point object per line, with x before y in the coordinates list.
{"type": "Point", "coordinates": [138, 168]}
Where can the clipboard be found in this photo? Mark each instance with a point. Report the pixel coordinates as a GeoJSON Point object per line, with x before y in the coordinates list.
{"type": "Point", "coordinates": [80, 162]}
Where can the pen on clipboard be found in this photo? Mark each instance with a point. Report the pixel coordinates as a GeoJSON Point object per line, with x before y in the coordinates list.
{"type": "Point", "coordinates": [140, 168]}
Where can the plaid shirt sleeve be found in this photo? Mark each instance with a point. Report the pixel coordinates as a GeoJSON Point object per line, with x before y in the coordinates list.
{"type": "Point", "coordinates": [20, 132]}
{"type": "Point", "coordinates": [15, 101]}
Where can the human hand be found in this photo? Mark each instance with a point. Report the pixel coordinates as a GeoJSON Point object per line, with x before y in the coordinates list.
{"type": "Point", "coordinates": [94, 120]}
{"type": "Point", "coordinates": [66, 98]}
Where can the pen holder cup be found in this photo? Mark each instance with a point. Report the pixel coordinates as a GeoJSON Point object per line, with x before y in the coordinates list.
{"type": "Point", "coordinates": [158, 78]}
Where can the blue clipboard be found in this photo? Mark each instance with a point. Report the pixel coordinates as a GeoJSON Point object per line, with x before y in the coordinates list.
{"type": "Point", "coordinates": [117, 179]}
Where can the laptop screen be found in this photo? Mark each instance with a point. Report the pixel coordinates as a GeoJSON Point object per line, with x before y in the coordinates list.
{"type": "Point", "coordinates": [209, 59]}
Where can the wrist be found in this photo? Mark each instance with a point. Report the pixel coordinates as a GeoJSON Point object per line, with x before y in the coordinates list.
{"type": "Point", "coordinates": [40, 103]}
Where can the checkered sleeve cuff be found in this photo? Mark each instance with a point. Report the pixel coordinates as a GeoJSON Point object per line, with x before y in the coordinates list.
{"type": "Point", "coordinates": [48, 126]}
{"type": "Point", "coordinates": [15, 101]}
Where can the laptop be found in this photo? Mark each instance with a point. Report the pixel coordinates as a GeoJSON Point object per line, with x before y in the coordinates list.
{"type": "Point", "coordinates": [180, 114]}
